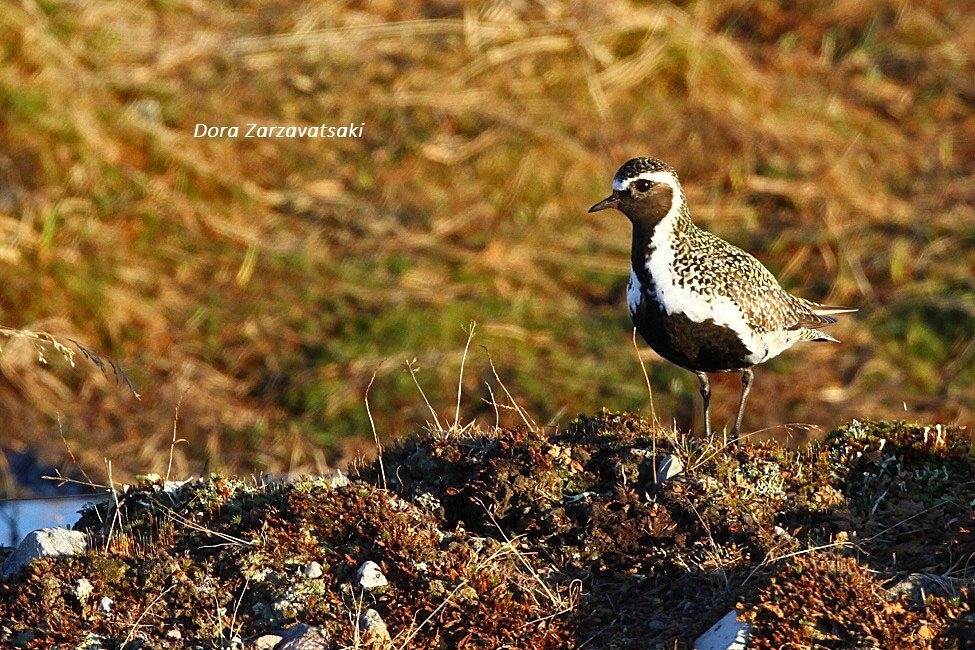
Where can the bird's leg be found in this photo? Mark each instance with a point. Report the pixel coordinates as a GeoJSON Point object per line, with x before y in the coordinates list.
{"type": "Point", "coordinates": [706, 396]}
{"type": "Point", "coordinates": [746, 383]}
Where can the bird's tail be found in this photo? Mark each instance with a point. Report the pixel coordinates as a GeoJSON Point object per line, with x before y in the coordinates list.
{"type": "Point", "coordinates": [808, 334]}
{"type": "Point", "coordinates": [813, 315]}
{"type": "Point", "coordinates": [827, 310]}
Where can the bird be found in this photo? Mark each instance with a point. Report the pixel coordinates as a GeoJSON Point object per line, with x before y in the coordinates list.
{"type": "Point", "coordinates": [697, 300]}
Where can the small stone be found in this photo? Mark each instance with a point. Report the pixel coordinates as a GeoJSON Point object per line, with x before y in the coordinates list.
{"type": "Point", "coordinates": [727, 634]}
{"type": "Point", "coordinates": [373, 631]}
{"type": "Point", "coordinates": [918, 586]}
{"type": "Point", "coordinates": [105, 604]}
{"type": "Point", "coordinates": [304, 637]}
{"type": "Point", "coordinates": [371, 576]}
{"type": "Point", "coordinates": [668, 467]}
{"type": "Point", "coordinates": [173, 486]}
{"type": "Point", "coordinates": [46, 542]}
{"type": "Point", "coordinates": [174, 634]}
{"type": "Point", "coordinates": [23, 638]}
{"type": "Point", "coordinates": [267, 642]}
{"type": "Point", "coordinates": [82, 590]}
{"type": "Point", "coordinates": [312, 571]}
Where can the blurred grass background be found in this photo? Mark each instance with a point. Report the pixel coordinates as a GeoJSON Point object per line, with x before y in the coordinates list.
{"type": "Point", "coordinates": [263, 282]}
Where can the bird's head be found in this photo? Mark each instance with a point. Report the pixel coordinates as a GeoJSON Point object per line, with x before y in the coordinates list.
{"type": "Point", "coordinates": [645, 190]}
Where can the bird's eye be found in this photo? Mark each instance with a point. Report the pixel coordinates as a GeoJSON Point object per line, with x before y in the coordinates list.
{"type": "Point", "coordinates": [643, 185]}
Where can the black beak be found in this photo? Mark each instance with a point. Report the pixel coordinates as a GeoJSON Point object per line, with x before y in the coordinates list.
{"type": "Point", "coordinates": [608, 202]}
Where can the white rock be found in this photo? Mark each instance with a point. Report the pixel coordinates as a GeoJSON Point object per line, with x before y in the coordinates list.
{"type": "Point", "coordinates": [173, 486]}
{"type": "Point", "coordinates": [82, 590]}
{"type": "Point", "coordinates": [267, 642]}
{"type": "Point", "coordinates": [371, 576]}
{"type": "Point", "coordinates": [105, 604]}
{"type": "Point", "coordinates": [727, 634]}
{"type": "Point", "coordinates": [582, 496]}
{"type": "Point", "coordinates": [46, 542]}
{"type": "Point", "coordinates": [312, 571]}
{"type": "Point", "coordinates": [174, 634]}
{"type": "Point", "coordinates": [373, 631]}
{"type": "Point", "coordinates": [668, 467]}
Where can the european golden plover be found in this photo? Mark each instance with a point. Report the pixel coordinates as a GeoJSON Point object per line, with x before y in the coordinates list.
{"type": "Point", "coordinates": [697, 300]}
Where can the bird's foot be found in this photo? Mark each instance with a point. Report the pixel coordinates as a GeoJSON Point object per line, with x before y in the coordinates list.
{"type": "Point", "coordinates": [733, 439]}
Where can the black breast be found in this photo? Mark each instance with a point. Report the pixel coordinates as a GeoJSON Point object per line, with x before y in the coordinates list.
{"type": "Point", "coordinates": [704, 346]}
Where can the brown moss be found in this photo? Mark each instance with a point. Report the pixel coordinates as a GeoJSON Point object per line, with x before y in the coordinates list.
{"type": "Point", "coordinates": [662, 563]}
{"type": "Point", "coordinates": [824, 601]}
{"type": "Point", "coordinates": [203, 566]}
{"type": "Point", "coordinates": [538, 539]}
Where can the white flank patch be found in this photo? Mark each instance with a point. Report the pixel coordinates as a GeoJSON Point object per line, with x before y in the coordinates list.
{"type": "Point", "coordinates": [634, 292]}
{"type": "Point", "coordinates": [682, 300]}
{"type": "Point", "coordinates": [697, 306]}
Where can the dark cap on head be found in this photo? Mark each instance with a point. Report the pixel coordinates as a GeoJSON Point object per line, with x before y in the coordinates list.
{"type": "Point", "coordinates": [637, 166]}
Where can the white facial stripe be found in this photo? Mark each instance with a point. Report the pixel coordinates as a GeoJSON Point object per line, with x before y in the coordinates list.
{"type": "Point", "coordinates": [656, 177]}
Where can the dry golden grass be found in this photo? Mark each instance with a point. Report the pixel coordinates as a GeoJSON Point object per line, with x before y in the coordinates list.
{"type": "Point", "coordinates": [268, 280]}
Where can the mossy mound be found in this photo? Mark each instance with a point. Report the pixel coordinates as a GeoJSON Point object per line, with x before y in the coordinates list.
{"type": "Point", "coordinates": [825, 601]}
{"type": "Point", "coordinates": [909, 492]}
{"type": "Point", "coordinates": [661, 562]}
{"type": "Point", "coordinates": [535, 539]}
{"type": "Point", "coordinates": [220, 559]}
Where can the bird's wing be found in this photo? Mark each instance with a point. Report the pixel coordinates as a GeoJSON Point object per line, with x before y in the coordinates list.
{"type": "Point", "coordinates": [766, 305]}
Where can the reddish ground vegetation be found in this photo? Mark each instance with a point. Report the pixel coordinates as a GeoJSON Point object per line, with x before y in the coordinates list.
{"type": "Point", "coordinates": [830, 139]}
{"type": "Point", "coordinates": [540, 539]}
{"type": "Point", "coordinates": [826, 601]}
